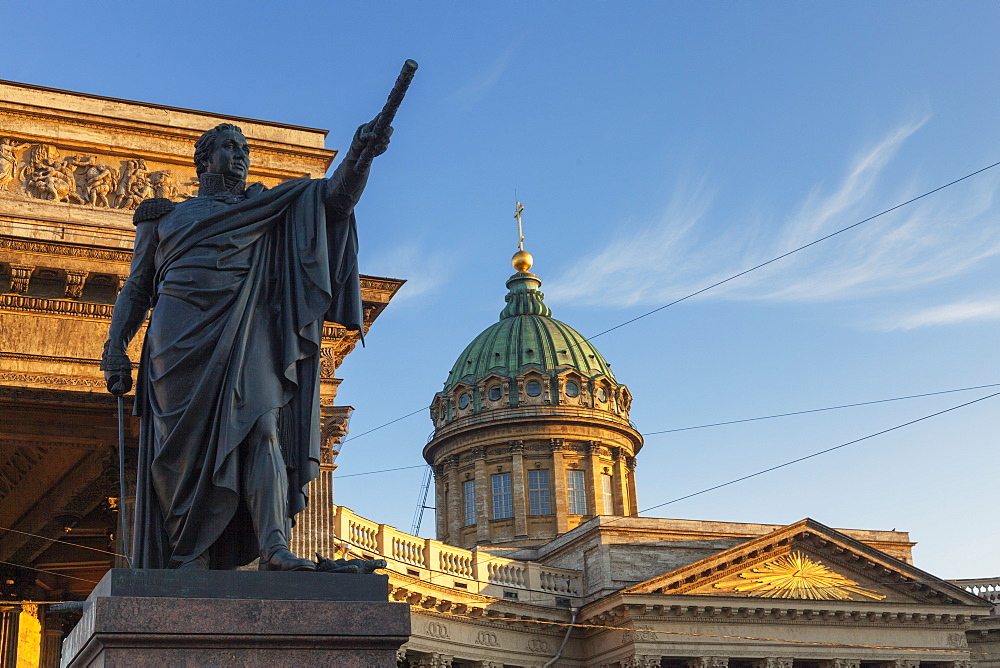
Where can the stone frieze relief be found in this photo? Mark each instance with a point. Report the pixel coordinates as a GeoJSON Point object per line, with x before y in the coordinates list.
{"type": "Point", "coordinates": [40, 171]}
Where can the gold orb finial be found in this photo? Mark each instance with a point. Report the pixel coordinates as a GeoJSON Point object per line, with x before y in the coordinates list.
{"type": "Point", "coordinates": [522, 261]}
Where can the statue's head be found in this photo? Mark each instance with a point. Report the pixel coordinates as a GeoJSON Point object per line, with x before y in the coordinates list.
{"type": "Point", "coordinates": [222, 150]}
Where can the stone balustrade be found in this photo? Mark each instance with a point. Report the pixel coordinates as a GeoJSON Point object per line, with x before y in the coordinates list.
{"type": "Point", "coordinates": [988, 588]}
{"type": "Point", "coordinates": [469, 570]}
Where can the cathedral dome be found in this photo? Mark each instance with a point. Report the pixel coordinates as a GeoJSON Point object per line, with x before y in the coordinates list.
{"type": "Point", "coordinates": [528, 358]}
{"type": "Point", "coordinates": [531, 430]}
{"type": "Point", "coordinates": [527, 336]}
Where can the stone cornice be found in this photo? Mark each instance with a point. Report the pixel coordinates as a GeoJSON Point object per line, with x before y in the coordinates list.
{"type": "Point", "coordinates": [715, 610]}
{"type": "Point", "coordinates": [13, 302]}
{"type": "Point", "coordinates": [24, 357]}
{"type": "Point", "coordinates": [67, 250]}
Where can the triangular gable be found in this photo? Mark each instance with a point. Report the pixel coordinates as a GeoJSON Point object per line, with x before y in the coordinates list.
{"type": "Point", "coordinates": [810, 561]}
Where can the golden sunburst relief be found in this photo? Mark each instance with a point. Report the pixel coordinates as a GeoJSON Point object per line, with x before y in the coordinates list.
{"type": "Point", "coordinates": [795, 575]}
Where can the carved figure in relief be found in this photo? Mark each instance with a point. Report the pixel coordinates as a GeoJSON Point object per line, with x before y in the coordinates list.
{"type": "Point", "coordinates": [163, 184]}
{"type": "Point", "coordinates": [134, 185]}
{"type": "Point", "coordinates": [47, 176]}
{"type": "Point", "coordinates": [8, 161]}
{"type": "Point", "coordinates": [98, 182]}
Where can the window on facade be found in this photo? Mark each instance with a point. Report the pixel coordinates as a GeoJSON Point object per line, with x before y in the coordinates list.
{"type": "Point", "coordinates": [538, 492]}
{"type": "Point", "coordinates": [469, 500]}
{"type": "Point", "coordinates": [463, 401]}
{"type": "Point", "coordinates": [602, 394]}
{"type": "Point", "coordinates": [533, 388]}
{"type": "Point", "coordinates": [503, 502]}
{"type": "Point", "coordinates": [572, 389]}
{"type": "Point", "coordinates": [576, 493]}
{"type": "Point", "coordinates": [496, 393]}
{"type": "Point", "coordinates": [609, 500]}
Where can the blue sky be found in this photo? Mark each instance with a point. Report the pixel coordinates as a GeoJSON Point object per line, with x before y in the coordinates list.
{"type": "Point", "coordinates": [657, 147]}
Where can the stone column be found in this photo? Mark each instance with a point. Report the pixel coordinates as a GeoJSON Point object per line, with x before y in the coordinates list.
{"type": "Point", "coordinates": [443, 489]}
{"type": "Point", "coordinates": [484, 506]}
{"type": "Point", "coordinates": [633, 507]}
{"type": "Point", "coordinates": [594, 473]}
{"type": "Point", "coordinates": [519, 491]}
{"type": "Point", "coordinates": [619, 485]}
{"type": "Point", "coordinates": [51, 645]}
{"type": "Point", "coordinates": [9, 618]}
{"type": "Point", "coordinates": [456, 500]}
{"type": "Point", "coordinates": [559, 485]}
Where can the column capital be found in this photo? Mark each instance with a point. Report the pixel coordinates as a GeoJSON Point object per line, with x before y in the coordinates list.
{"type": "Point", "coordinates": [709, 662]}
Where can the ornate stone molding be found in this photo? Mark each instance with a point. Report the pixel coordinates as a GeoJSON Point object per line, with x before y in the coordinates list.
{"type": "Point", "coordinates": [17, 302]}
{"type": "Point", "coordinates": [43, 379]}
{"type": "Point", "coordinates": [56, 248]}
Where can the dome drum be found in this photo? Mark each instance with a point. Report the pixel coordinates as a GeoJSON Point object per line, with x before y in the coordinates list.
{"type": "Point", "coordinates": [533, 387]}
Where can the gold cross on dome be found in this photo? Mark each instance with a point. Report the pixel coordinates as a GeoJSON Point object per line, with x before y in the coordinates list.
{"type": "Point", "coordinates": [518, 210]}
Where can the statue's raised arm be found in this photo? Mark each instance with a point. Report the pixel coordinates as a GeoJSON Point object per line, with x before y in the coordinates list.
{"type": "Point", "coordinates": [370, 141]}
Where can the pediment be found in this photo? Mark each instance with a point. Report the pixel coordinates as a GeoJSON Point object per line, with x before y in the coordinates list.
{"type": "Point", "coordinates": [806, 561]}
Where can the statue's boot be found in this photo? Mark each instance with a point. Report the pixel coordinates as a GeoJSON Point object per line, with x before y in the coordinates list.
{"type": "Point", "coordinates": [199, 563]}
{"type": "Point", "coordinates": [284, 560]}
{"type": "Point", "coordinates": [265, 485]}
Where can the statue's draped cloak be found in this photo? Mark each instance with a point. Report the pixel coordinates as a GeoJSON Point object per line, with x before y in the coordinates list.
{"type": "Point", "coordinates": [241, 292]}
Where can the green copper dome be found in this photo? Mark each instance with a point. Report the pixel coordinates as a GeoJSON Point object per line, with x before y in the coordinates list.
{"type": "Point", "coordinates": [527, 336]}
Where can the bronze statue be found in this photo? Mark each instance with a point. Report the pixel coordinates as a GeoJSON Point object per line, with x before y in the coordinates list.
{"type": "Point", "coordinates": [242, 279]}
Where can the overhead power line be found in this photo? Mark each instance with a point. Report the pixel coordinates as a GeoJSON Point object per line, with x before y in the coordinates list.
{"type": "Point", "coordinates": [819, 410]}
{"type": "Point", "coordinates": [791, 252]}
{"type": "Point", "coordinates": [820, 452]}
{"type": "Point", "coordinates": [716, 424]}
{"type": "Point", "coordinates": [511, 555]}
{"type": "Point", "coordinates": [42, 570]}
{"type": "Point", "coordinates": [740, 274]}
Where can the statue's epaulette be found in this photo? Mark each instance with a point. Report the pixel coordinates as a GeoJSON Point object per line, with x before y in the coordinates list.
{"type": "Point", "coordinates": [151, 209]}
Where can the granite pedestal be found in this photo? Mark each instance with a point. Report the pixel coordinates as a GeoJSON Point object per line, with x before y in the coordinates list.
{"type": "Point", "coordinates": [237, 618]}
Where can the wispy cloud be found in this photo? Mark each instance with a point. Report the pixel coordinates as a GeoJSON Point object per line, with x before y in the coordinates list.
{"type": "Point", "coordinates": [947, 314]}
{"type": "Point", "coordinates": [682, 251]}
{"type": "Point", "coordinates": [411, 261]}
{"type": "Point", "coordinates": [477, 88]}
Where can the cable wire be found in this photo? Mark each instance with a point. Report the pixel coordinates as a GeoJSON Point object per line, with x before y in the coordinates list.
{"type": "Point", "coordinates": [716, 424]}
{"type": "Point", "coordinates": [791, 252]}
{"type": "Point", "coordinates": [820, 452]}
{"type": "Point", "coordinates": [744, 272]}
{"type": "Point", "coordinates": [64, 542]}
{"type": "Point", "coordinates": [819, 410]}
{"type": "Point", "coordinates": [42, 570]}
{"type": "Point", "coordinates": [525, 550]}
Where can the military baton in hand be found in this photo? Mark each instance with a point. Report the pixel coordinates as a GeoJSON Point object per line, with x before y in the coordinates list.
{"type": "Point", "coordinates": [384, 119]}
